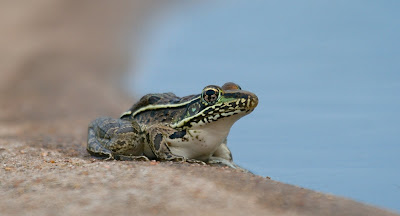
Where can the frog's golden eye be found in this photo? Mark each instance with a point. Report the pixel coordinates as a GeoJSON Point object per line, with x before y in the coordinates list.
{"type": "Point", "coordinates": [210, 94]}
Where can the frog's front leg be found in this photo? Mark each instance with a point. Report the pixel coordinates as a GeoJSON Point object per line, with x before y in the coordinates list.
{"type": "Point", "coordinates": [223, 156]}
{"type": "Point", "coordinates": [223, 151]}
{"type": "Point", "coordinates": [158, 143]}
{"type": "Point", "coordinates": [115, 139]}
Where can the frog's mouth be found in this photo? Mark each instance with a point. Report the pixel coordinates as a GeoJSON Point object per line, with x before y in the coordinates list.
{"type": "Point", "coordinates": [242, 100]}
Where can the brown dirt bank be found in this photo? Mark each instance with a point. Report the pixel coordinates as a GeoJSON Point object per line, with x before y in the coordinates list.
{"type": "Point", "coordinates": [55, 63]}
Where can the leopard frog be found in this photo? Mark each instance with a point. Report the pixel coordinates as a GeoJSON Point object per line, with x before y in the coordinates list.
{"type": "Point", "coordinates": [166, 127]}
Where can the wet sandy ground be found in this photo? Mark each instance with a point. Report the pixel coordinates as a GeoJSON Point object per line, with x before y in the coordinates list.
{"type": "Point", "coordinates": [55, 78]}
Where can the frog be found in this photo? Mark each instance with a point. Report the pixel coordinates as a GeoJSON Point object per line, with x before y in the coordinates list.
{"type": "Point", "coordinates": [166, 127]}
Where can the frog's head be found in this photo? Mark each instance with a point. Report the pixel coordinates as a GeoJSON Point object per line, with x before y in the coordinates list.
{"type": "Point", "coordinates": [223, 105]}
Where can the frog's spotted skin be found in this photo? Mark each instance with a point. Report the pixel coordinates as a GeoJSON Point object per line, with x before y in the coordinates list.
{"type": "Point", "coordinates": [166, 127]}
{"type": "Point", "coordinates": [113, 137]}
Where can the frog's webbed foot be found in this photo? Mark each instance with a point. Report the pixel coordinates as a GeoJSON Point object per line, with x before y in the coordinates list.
{"type": "Point", "coordinates": [217, 161]}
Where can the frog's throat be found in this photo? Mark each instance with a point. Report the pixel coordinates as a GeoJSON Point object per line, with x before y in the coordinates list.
{"type": "Point", "coordinates": [218, 128]}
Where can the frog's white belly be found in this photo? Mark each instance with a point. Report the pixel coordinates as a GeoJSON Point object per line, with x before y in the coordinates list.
{"type": "Point", "coordinates": [195, 145]}
{"type": "Point", "coordinates": [201, 142]}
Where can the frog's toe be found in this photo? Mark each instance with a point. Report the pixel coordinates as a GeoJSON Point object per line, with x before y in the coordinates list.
{"type": "Point", "coordinates": [216, 161]}
{"type": "Point", "coordinates": [132, 158]}
{"type": "Point", "coordinates": [178, 159]}
{"type": "Point", "coordinates": [196, 161]}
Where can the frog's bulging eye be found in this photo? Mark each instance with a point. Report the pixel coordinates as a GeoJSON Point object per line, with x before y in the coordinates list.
{"type": "Point", "coordinates": [210, 94]}
{"type": "Point", "coordinates": [231, 86]}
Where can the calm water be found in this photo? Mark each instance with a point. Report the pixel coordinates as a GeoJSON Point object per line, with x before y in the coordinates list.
{"type": "Point", "coordinates": [327, 75]}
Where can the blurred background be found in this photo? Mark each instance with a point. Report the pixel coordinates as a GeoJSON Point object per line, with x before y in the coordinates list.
{"type": "Point", "coordinates": [327, 74]}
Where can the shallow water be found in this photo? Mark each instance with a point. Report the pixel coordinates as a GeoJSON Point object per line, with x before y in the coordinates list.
{"type": "Point", "coordinates": [327, 75]}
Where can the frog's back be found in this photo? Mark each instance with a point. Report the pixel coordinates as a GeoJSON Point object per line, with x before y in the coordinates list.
{"type": "Point", "coordinates": [157, 107]}
{"type": "Point", "coordinates": [154, 99]}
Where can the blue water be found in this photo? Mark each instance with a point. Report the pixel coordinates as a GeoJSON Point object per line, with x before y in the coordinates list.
{"type": "Point", "coordinates": [327, 74]}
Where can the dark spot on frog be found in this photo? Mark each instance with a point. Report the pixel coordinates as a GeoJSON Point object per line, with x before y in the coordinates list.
{"type": "Point", "coordinates": [148, 138]}
{"type": "Point", "coordinates": [178, 134]}
{"type": "Point", "coordinates": [157, 141]}
{"type": "Point", "coordinates": [173, 113]}
{"type": "Point", "coordinates": [166, 112]}
{"type": "Point", "coordinates": [120, 142]}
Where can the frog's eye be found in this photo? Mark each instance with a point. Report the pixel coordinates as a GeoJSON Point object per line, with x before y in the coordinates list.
{"type": "Point", "coordinates": [231, 86]}
{"type": "Point", "coordinates": [210, 94]}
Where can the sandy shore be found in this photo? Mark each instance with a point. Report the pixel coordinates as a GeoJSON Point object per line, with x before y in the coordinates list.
{"type": "Point", "coordinates": [56, 59]}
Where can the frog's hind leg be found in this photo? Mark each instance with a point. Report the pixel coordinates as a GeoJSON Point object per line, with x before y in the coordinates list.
{"type": "Point", "coordinates": [96, 144]}
{"type": "Point", "coordinates": [115, 139]}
